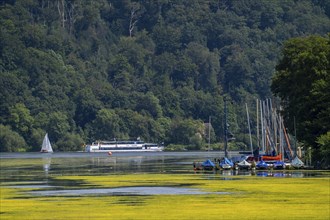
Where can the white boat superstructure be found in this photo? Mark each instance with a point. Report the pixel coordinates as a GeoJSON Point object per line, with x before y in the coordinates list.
{"type": "Point", "coordinates": [122, 146]}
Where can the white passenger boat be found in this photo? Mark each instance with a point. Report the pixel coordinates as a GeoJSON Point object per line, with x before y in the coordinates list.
{"type": "Point", "coordinates": [122, 146]}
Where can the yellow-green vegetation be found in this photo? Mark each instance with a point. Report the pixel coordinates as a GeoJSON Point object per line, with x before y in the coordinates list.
{"type": "Point", "coordinates": [249, 198]}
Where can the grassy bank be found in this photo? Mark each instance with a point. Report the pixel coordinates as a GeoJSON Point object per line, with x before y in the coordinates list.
{"type": "Point", "coordinates": [249, 198]}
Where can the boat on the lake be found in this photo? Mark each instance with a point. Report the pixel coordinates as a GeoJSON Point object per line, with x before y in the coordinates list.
{"type": "Point", "coordinates": [244, 165]}
{"type": "Point", "coordinates": [271, 158]}
{"type": "Point", "coordinates": [46, 145]}
{"type": "Point", "coordinates": [226, 164]}
{"type": "Point", "coordinates": [297, 163]}
{"type": "Point", "coordinates": [262, 165]}
{"type": "Point", "coordinates": [279, 165]}
{"type": "Point", "coordinates": [123, 146]}
{"type": "Point", "coordinates": [208, 165]}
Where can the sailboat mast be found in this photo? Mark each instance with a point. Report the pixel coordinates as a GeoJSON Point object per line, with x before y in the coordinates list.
{"type": "Point", "coordinates": [295, 136]}
{"type": "Point", "coordinates": [248, 118]}
{"type": "Point", "coordinates": [226, 128]}
{"type": "Point", "coordinates": [258, 137]}
{"type": "Point", "coordinates": [262, 126]}
{"type": "Point", "coordinates": [281, 133]}
{"type": "Point", "coordinates": [209, 132]}
{"type": "Point", "coordinates": [287, 139]}
{"type": "Point", "coordinates": [273, 123]}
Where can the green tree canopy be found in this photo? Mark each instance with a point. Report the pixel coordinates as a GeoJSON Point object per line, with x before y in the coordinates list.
{"type": "Point", "coordinates": [11, 141]}
{"type": "Point", "coordinates": [64, 64]}
{"type": "Point", "coordinates": [302, 81]}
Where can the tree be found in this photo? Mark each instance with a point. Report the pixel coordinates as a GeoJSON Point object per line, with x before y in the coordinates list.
{"type": "Point", "coordinates": [324, 143]}
{"type": "Point", "coordinates": [87, 106]}
{"type": "Point", "coordinates": [58, 125]}
{"type": "Point", "coordinates": [70, 142]}
{"type": "Point", "coordinates": [135, 13]}
{"type": "Point", "coordinates": [208, 66]}
{"type": "Point", "coordinates": [167, 38]}
{"type": "Point", "coordinates": [120, 75]}
{"type": "Point", "coordinates": [302, 81]}
{"type": "Point", "coordinates": [20, 118]}
{"type": "Point", "coordinates": [145, 60]}
{"type": "Point", "coordinates": [149, 104]}
{"type": "Point", "coordinates": [12, 90]}
{"type": "Point", "coordinates": [187, 132]}
{"type": "Point", "coordinates": [106, 125]}
{"type": "Point", "coordinates": [10, 141]}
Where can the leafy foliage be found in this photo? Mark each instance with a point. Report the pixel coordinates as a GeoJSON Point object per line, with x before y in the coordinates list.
{"type": "Point", "coordinates": [10, 141]}
{"type": "Point", "coordinates": [85, 70]}
{"type": "Point", "coordinates": [302, 82]}
{"type": "Point", "coordinates": [324, 143]}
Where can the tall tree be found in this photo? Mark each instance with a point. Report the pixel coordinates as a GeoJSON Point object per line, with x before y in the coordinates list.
{"type": "Point", "coordinates": [302, 81]}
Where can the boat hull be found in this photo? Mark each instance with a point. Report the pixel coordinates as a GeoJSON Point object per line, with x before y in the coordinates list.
{"type": "Point", "coordinates": [124, 150]}
{"type": "Point", "coordinates": [244, 167]}
{"type": "Point", "coordinates": [262, 165]}
{"type": "Point", "coordinates": [272, 158]}
{"type": "Point", "coordinates": [226, 166]}
{"type": "Point", "coordinates": [123, 146]}
{"type": "Point", "coordinates": [279, 165]}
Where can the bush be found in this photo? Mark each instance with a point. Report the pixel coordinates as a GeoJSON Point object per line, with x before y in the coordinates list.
{"type": "Point", "coordinates": [70, 142]}
{"type": "Point", "coordinates": [324, 143]}
{"type": "Point", "coordinates": [175, 147]}
{"type": "Point", "coordinates": [11, 141]}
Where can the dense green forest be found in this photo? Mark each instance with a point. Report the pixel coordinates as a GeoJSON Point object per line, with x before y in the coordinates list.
{"type": "Point", "coordinates": [84, 70]}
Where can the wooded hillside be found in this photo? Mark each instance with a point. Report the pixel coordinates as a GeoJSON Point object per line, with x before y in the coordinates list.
{"type": "Point", "coordinates": [84, 70]}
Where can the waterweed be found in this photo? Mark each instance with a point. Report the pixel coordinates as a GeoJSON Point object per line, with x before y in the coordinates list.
{"type": "Point", "coordinates": [249, 197]}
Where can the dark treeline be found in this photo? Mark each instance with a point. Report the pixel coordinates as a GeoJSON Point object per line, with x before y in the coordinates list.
{"type": "Point", "coordinates": [85, 70]}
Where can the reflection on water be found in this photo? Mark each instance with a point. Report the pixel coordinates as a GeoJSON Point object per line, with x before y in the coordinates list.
{"type": "Point", "coordinates": [46, 164]}
{"type": "Point", "coordinates": [257, 173]}
{"type": "Point", "coordinates": [125, 191]}
{"type": "Point", "coordinates": [25, 167]}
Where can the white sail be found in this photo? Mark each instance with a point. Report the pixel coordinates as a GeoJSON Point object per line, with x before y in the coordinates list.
{"type": "Point", "coordinates": [297, 163]}
{"type": "Point", "coordinates": [46, 146]}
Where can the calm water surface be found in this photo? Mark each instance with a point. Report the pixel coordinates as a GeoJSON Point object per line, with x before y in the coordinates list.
{"type": "Point", "coordinates": [97, 163]}
{"type": "Point", "coordinates": [37, 170]}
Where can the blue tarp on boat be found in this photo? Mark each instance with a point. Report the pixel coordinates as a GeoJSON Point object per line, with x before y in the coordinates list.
{"type": "Point", "coordinates": [226, 161]}
{"type": "Point", "coordinates": [208, 164]}
{"type": "Point", "coordinates": [279, 165]}
{"type": "Point", "coordinates": [262, 165]}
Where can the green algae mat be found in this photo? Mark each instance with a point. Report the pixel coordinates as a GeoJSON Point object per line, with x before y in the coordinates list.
{"type": "Point", "coordinates": [205, 196]}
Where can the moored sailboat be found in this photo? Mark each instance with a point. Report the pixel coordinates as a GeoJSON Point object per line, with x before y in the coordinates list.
{"type": "Point", "coordinates": [272, 158]}
{"type": "Point", "coordinates": [208, 165]}
{"type": "Point", "coordinates": [297, 163]}
{"type": "Point", "coordinates": [262, 165]}
{"type": "Point", "coordinates": [46, 145]}
{"type": "Point", "coordinates": [244, 165]}
{"type": "Point", "coordinates": [226, 163]}
{"type": "Point", "coordinates": [279, 165]}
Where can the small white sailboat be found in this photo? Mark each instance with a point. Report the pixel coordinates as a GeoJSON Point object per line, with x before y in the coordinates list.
{"type": "Point", "coordinates": [46, 146]}
{"type": "Point", "coordinates": [244, 165]}
{"type": "Point", "coordinates": [297, 163]}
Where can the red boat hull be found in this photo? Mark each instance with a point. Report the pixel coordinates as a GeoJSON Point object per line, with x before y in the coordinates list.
{"type": "Point", "coordinates": [266, 158]}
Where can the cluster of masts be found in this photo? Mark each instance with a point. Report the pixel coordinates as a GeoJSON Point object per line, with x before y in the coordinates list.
{"type": "Point", "coordinates": [272, 137]}
{"type": "Point", "coordinates": [272, 140]}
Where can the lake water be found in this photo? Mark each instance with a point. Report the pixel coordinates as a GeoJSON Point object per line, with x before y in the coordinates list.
{"type": "Point", "coordinates": [81, 163]}
{"type": "Point", "coordinates": [14, 165]}
{"type": "Point", "coordinates": [36, 170]}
